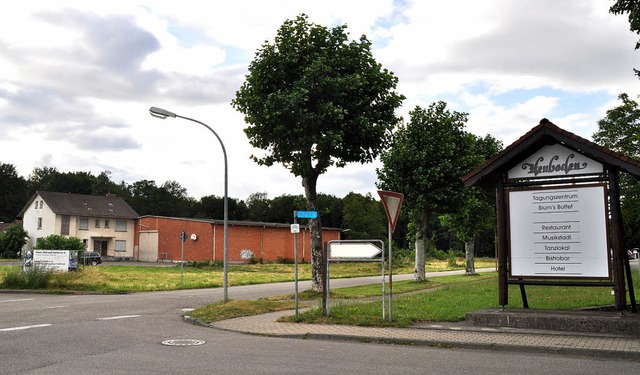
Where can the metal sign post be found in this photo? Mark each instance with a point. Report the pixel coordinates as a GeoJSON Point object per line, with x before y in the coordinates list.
{"type": "Point", "coordinates": [183, 237]}
{"type": "Point", "coordinates": [354, 251]}
{"type": "Point", "coordinates": [295, 229]}
{"type": "Point", "coordinates": [392, 202]}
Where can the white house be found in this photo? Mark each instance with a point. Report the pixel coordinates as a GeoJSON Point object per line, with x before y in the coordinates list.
{"type": "Point", "coordinates": [105, 224]}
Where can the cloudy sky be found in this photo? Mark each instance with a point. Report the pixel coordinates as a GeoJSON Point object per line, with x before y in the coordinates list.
{"type": "Point", "coordinates": [77, 78]}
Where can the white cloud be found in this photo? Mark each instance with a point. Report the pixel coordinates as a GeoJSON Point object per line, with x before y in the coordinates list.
{"type": "Point", "coordinates": [77, 78]}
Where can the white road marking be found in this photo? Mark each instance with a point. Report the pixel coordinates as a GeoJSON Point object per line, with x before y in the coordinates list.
{"type": "Point", "coordinates": [17, 300]}
{"type": "Point", "coordinates": [187, 310]}
{"type": "Point", "coordinates": [119, 317]}
{"type": "Point", "coordinates": [56, 307]}
{"type": "Point", "coordinates": [24, 327]}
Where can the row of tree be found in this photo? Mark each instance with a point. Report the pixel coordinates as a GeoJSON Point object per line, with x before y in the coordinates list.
{"type": "Point", "coordinates": [360, 216]}
{"type": "Point", "coordinates": [314, 99]}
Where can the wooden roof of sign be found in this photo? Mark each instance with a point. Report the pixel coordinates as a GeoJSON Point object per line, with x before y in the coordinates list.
{"type": "Point", "coordinates": [546, 133]}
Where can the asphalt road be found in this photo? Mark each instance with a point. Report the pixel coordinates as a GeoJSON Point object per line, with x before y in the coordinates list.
{"type": "Point", "coordinates": [124, 334]}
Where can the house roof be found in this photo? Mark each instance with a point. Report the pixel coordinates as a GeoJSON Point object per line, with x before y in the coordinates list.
{"type": "Point", "coordinates": [109, 206]}
{"type": "Point", "coordinates": [546, 133]}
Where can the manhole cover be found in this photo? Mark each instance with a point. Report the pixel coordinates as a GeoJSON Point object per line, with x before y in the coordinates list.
{"type": "Point", "coordinates": [183, 342]}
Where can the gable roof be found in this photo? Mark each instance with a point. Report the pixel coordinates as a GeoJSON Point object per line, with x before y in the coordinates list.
{"type": "Point", "coordinates": [546, 133]}
{"type": "Point", "coordinates": [109, 206]}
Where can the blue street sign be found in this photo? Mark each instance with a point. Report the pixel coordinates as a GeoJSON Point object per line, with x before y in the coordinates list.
{"type": "Point", "coordinates": [307, 214]}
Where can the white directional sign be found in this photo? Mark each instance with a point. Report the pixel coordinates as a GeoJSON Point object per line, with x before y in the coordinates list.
{"type": "Point", "coordinates": [353, 250]}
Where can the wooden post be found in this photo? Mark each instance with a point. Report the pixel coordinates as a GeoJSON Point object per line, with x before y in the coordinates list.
{"type": "Point", "coordinates": [616, 240]}
{"type": "Point", "coordinates": [501, 208]}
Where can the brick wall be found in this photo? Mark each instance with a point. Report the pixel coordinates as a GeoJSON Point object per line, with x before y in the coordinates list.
{"type": "Point", "coordinates": [266, 241]}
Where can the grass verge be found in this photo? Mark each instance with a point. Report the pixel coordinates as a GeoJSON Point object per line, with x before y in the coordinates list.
{"type": "Point", "coordinates": [439, 299]}
{"type": "Point", "coordinates": [126, 278]}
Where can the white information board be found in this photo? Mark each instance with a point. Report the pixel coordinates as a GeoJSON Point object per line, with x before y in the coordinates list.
{"type": "Point", "coordinates": [559, 232]}
{"type": "Point", "coordinates": [55, 260]}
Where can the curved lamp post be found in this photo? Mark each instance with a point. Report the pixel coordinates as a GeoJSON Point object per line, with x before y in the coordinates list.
{"type": "Point", "coordinates": [163, 114]}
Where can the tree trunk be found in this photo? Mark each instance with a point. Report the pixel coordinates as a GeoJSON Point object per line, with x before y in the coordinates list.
{"type": "Point", "coordinates": [318, 265]}
{"type": "Point", "coordinates": [422, 243]}
{"type": "Point", "coordinates": [469, 250]}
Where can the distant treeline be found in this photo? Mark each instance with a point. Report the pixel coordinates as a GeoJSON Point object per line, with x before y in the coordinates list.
{"type": "Point", "coordinates": [359, 216]}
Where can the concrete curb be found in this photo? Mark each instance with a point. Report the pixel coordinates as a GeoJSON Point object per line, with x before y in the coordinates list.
{"type": "Point", "coordinates": [447, 340]}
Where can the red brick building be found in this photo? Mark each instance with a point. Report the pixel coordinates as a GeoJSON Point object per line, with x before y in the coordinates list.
{"type": "Point", "coordinates": [158, 239]}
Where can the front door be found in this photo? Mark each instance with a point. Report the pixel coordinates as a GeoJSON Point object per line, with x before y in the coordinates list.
{"type": "Point", "coordinates": [100, 246]}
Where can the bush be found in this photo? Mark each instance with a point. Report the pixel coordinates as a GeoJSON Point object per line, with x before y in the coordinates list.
{"type": "Point", "coordinates": [437, 253]}
{"type": "Point", "coordinates": [452, 261]}
{"type": "Point", "coordinates": [32, 278]}
{"type": "Point", "coordinates": [12, 241]}
{"type": "Point", "coordinates": [58, 242]}
{"type": "Point", "coordinates": [402, 257]}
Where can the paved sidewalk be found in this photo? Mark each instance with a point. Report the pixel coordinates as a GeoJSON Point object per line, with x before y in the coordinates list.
{"type": "Point", "coordinates": [457, 335]}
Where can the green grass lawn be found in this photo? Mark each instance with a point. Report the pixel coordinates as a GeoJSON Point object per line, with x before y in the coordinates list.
{"type": "Point", "coordinates": [126, 279]}
{"type": "Point", "coordinates": [445, 298]}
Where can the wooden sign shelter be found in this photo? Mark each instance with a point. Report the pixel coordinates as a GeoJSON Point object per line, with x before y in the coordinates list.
{"type": "Point", "coordinates": [558, 213]}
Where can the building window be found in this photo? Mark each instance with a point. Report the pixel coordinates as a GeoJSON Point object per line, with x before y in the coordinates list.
{"type": "Point", "coordinates": [83, 224]}
{"type": "Point", "coordinates": [64, 229]}
{"type": "Point", "coordinates": [121, 225]}
{"type": "Point", "coordinates": [106, 223]}
{"type": "Point", "coordinates": [41, 203]}
{"type": "Point", "coordinates": [121, 245]}
{"type": "Point", "coordinates": [85, 242]}
{"type": "Point", "coordinates": [36, 207]}
{"type": "Point", "coordinates": [97, 223]}
{"type": "Point", "coordinates": [39, 223]}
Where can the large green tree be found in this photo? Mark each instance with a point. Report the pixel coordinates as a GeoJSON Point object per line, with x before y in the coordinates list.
{"type": "Point", "coordinates": [632, 9]}
{"type": "Point", "coordinates": [313, 99]}
{"type": "Point", "coordinates": [212, 207]}
{"type": "Point", "coordinates": [363, 217]}
{"type": "Point", "coordinates": [619, 131]}
{"type": "Point", "coordinates": [12, 240]}
{"type": "Point", "coordinates": [13, 194]}
{"type": "Point", "coordinates": [428, 157]}
{"type": "Point", "coordinates": [477, 211]}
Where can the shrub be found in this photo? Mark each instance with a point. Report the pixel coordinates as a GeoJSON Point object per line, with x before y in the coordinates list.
{"type": "Point", "coordinates": [32, 278]}
{"type": "Point", "coordinates": [58, 242]}
{"type": "Point", "coordinates": [12, 241]}
{"type": "Point", "coordinates": [401, 256]}
{"type": "Point", "coordinates": [452, 258]}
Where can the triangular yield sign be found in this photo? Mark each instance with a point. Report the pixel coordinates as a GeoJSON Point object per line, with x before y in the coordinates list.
{"type": "Point", "coordinates": [392, 202]}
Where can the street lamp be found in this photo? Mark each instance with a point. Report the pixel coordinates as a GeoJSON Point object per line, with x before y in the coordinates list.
{"type": "Point", "coordinates": [163, 113]}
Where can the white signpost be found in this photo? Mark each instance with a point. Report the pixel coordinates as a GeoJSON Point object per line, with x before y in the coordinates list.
{"type": "Point", "coordinates": [354, 251]}
{"type": "Point", "coordinates": [559, 232]}
{"type": "Point", "coordinates": [295, 229]}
